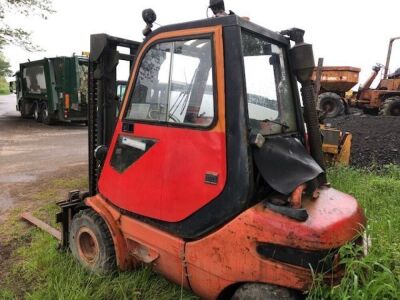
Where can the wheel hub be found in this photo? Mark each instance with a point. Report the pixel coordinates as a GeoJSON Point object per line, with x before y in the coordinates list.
{"type": "Point", "coordinates": [327, 107]}
{"type": "Point", "coordinates": [88, 247]}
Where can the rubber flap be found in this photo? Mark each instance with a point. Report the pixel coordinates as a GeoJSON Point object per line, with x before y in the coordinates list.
{"type": "Point", "coordinates": [284, 163]}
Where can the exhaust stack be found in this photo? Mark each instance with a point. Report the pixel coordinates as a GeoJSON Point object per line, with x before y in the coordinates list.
{"type": "Point", "coordinates": [302, 59]}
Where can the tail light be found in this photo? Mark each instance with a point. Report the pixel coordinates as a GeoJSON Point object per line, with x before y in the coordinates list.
{"type": "Point", "coordinates": [67, 104]}
{"type": "Point", "coordinates": [67, 101]}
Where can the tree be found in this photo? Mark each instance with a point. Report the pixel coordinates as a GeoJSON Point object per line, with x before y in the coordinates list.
{"type": "Point", "coordinates": [4, 67]}
{"type": "Point", "coordinates": [19, 36]}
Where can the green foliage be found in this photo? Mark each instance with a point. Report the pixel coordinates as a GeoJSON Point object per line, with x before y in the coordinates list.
{"type": "Point", "coordinates": [4, 88]}
{"type": "Point", "coordinates": [19, 36]}
{"type": "Point", "coordinates": [377, 275]}
{"type": "Point", "coordinates": [4, 67]}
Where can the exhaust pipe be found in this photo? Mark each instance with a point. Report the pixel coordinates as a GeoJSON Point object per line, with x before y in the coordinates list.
{"type": "Point", "coordinates": [302, 60]}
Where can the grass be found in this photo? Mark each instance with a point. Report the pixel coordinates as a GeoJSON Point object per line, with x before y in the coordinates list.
{"type": "Point", "coordinates": [377, 275]}
{"type": "Point", "coordinates": [56, 275]}
{"type": "Point", "coordinates": [40, 271]}
{"type": "Point", "coordinates": [4, 87]}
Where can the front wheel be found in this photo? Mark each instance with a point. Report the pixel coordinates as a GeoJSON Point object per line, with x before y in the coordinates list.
{"type": "Point", "coordinates": [91, 242]}
{"type": "Point", "coordinates": [331, 104]}
{"type": "Point", "coordinates": [391, 107]}
{"type": "Point", "coordinates": [261, 291]}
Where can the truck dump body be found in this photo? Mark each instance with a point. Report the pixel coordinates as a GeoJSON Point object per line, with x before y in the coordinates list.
{"type": "Point", "coordinates": [53, 89]}
{"type": "Point", "coordinates": [338, 79]}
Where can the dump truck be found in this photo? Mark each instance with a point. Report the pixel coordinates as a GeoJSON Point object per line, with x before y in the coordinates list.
{"type": "Point", "coordinates": [335, 95]}
{"type": "Point", "coordinates": [198, 175]}
{"type": "Point", "coordinates": [335, 82]}
{"type": "Point", "coordinates": [53, 89]}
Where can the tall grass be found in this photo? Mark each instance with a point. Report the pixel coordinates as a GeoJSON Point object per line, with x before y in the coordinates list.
{"type": "Point", "coordinates": [56, 275]}
{"type": "Point", "coordinates": [377, 275]}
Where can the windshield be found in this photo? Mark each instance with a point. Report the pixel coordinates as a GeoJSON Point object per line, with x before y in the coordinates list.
{"type": "Point", "coordinates": [269, 93]}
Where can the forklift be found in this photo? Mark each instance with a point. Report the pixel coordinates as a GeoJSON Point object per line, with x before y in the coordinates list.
{"type": "Point", "coordinates": [209, 171]}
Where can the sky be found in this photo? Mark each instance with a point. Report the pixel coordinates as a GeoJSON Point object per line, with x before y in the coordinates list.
{"type": "Point", "coordinates": [344, 32]}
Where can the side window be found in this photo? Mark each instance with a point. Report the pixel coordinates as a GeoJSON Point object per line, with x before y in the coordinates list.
{"type": "Point", "coordinates": [175, 84]}
{"type": "Point", "coordinates": [150, 95]}
{"type": "Point", "coordinates": [269, 93]}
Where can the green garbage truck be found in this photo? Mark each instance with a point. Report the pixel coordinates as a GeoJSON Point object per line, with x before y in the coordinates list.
{"type": "Point", "coordinates": [53, 89]}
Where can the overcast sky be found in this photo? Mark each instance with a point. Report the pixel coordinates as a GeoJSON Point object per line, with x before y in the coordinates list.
{"type": "Point", "coordinates": [344, 32]}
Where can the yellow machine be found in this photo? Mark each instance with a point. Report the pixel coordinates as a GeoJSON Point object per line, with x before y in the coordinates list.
{"type": "Point", "coordinates": [336, 146]}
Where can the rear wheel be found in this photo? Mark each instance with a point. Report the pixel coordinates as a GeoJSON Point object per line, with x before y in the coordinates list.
{"type": "Point", "coordinates": [391, 107]}
{"type": "Point", "coordinates": [24, 109]}
{"type": "Point", "coordinates": [261, 291]}
{"type": "Point", "coordinates": [46, 119]}
{"type": "Point", "coordinates": [91, 242]}
{"type": "Point", "coordinates": [36, 112]}
{"type": "Point", "coordinates": [330, 103]}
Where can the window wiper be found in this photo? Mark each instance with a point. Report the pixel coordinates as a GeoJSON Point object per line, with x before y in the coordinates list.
{"type": "Point", "coordinates": [275, 122]}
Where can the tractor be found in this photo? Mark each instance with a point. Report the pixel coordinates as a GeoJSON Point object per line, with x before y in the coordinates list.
{"type": "Point", "coordinates": [208, 172]}
{"type": "Point", "coordinates": [385, 98]}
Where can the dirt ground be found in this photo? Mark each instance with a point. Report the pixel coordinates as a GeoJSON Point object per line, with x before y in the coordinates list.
{"type": "Point", "coordinates": [376, 139]}
{"type": "Point", "coordinates": [31, 153]}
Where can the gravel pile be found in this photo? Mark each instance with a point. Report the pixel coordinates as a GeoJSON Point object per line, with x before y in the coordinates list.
{"type": "Point", "coordinates": [376, 139]}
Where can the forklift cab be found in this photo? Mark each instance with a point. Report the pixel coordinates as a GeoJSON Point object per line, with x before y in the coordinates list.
{"type": "Point", "coordinates": [206, 174]}
{"type": "Point", "coordinates": [181, 144]}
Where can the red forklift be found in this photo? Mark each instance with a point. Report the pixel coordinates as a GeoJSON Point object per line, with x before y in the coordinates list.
{"type": "Point", "coordinates": [209, 171]}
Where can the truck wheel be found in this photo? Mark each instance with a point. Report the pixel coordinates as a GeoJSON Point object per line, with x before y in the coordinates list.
{"type": "Point", "coordinates": [24, 110]}
{"type": "Point", "coordinates": [46, 119]}
{"type": "Point", "coordinates": [36, 112]}
{"type": "Point", "coordinates": [391, 107]}
{"type": "Point", "coordinates": [260, 291]}
{"type": "Point", "coordinates": [331, 103]}
{"type": "Point", "coordinates": [91, 243]}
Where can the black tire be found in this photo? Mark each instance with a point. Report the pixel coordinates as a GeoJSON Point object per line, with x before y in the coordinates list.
{"type": "Point", "coordinates": [390, 107]}
{"type": "Point", "coordinates": [91, 243]}
{"type": "Point", "coordinates": [44, 111]}
{"type": "Point", "coordinates": [331, 103]}
{"type": "Point", "coordinates": [36, 112]}
{"type": "Point", "coordinates": [24, 109]}
{"type": "Point", "coordinates": [260, 291]}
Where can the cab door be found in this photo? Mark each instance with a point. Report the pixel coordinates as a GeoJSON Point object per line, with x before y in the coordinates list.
{"type": "Point", "coordinates": [167, 158]}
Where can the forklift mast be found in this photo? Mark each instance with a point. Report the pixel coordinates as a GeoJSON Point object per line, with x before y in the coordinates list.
{"type": "Point", "coordinates": [104, 102]}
